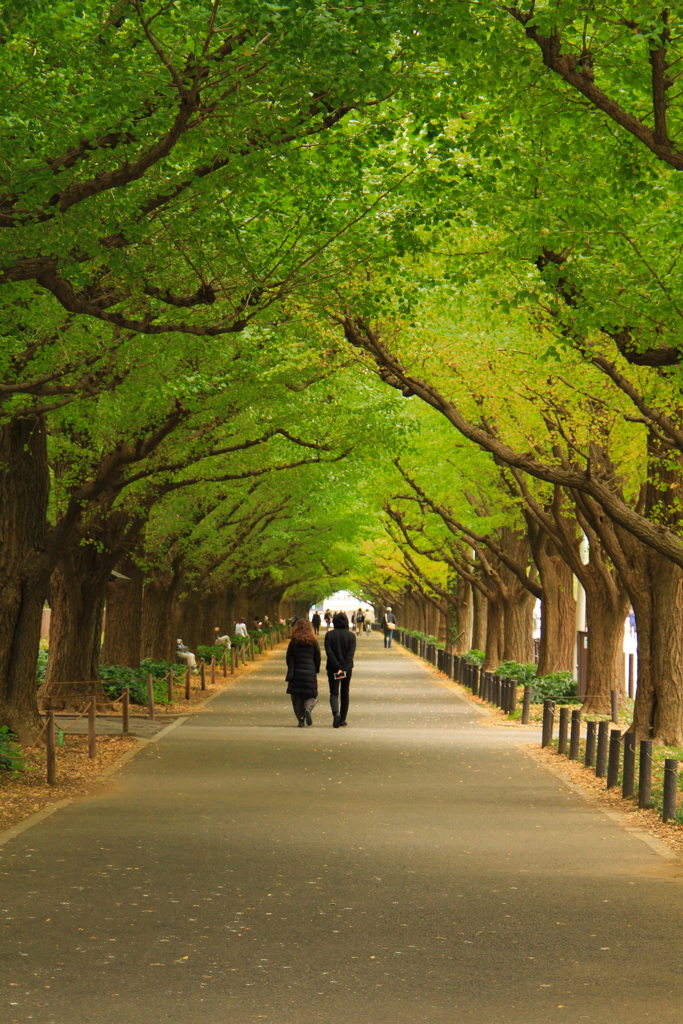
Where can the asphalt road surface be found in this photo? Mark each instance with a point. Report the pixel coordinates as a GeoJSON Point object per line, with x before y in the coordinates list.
{"type": "Point", "coordinates": [414, 867]}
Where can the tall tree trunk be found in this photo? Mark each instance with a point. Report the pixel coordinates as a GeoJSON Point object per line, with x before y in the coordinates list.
{"type": "Point", "coordinates": [518, 617]}
{"type": "Point", "coordinates": [159, 618]}
{"type": "Point", "coordinates": [655, 587]}
{"type": "Point", "coordinates": [606, 608]}
{"type": "Point", "coordinates": [479, 620]}
{"type": "Point", "coordinates": [24, 570]}
{"type": "Point", "coordinates": [462, 605]}
{"type": "Point", "coordinates": [518, 601]}
{"type": "Point", "coordinates": [558, 609]}
{"type": "Point", "coordinates": [666, 650]}
{"type": "Point", "coordinates": [188, 619]}
{"type": "Point", "coordinates": [495, 634]}
{"type": "Point", "coordinates": [123, 619]}
{"type": "Point", "coordinates": [658, 709]}
{"type": "Point", "coordinates": [77, 591]}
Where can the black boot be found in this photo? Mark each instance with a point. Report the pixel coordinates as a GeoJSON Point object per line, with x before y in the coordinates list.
{"type": "Point", "coordinates": [334, 704]}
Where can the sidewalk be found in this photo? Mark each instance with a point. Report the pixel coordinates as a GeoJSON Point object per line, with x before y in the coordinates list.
{"type": "Point", "coordinates": [415, 867]}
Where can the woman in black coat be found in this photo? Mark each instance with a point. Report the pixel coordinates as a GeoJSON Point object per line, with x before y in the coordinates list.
{"type": "Point", "coordinates": [303, 665]}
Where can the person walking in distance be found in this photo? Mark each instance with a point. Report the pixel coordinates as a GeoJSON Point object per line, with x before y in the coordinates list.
{"type": "Point", "coordinates": [315, 620]}
{"type": "Point", "coordinates": [328, 618]}
{"type": "Point", "coordinates": [360, 619]}
{"type": "Point", "coordinates": [388, 625]}
{"type": "Point", "coordinates": [340, 647]}
{"type": "Point", "coordinates": [303, 665]}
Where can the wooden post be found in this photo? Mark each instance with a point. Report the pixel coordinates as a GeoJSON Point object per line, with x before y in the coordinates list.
{"type": "Point", "coordinates": [575, 735]}
{"type": "Point", "coordinates": [548, 719]}
{"type": "Point", "coordinates": [169, 684]}
{"type": "Point", "coordinates": [213, 669]}
{"type": "Point", "coordinates": [202, 674]}
{"type": "Point", "coordinates": [630, 676]}
{"type": "Point", "coordinates": [233, 659]}
{"type": "Point", "coordinates": [92, 725]}
{"type": "Point", "coordinates": [670, 787]}
{"type": "Point", "coordinates": [564, 728]}
{"type": "Point", "coordinates": [629, 772]}
{"type": "Point", "coordinates": [224, 662]}
{"type": "Point", "coordinates": [51, 752]}
{"type": "Point", "coordinates": [645, 774]}
{"type": "Point", "coordinates": [614, 758]}
{"type": "Point", "coordinates": [150, 696]}
{"type": "Point", "coordinates": [244, 660]}
{"type": "Point", "coordinates": [188, 672]}
{"type": "Point", "coordinates": [603, 743]}
{"type": "Point", "coordinates": [125, 711]}
{"type": "Point", "coordinates": [589, 758]}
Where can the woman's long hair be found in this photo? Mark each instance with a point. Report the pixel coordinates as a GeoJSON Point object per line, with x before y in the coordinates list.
{"type": "Point", "coordinates": [302, 633]}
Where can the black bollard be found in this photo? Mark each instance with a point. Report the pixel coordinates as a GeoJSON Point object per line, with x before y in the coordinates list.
{"type": "Point", "coordinates": [589, 759]}
{"type": "Point", "coordinates": [92, 725]}
{"type": "Point", "coordinates": [475, 681]}
{"type": "Point", "coordinates": [125, 711]}
{"type": "Point", "coordinates": [526, 705]}
{"type": "Point", "coordinates": [150, 696]}
{"type": "Point", "coordinates": [670, 786]}
{"type": "Point", "coordinates": [562, 733]}
{"type": "Point", "coordinates": [51, 750]}
{"type": "Point", "coordinates": [601, 756]}
{"type": "Point", "coordinates": [575, 735]}
{"type": "Point", "coordinates": [629, 771]}
{"type": "Point", "coordinates": [614, 758]}
{"type": "Point", "coordinates": [512, 706]}
{"type": "Point", "coordinates": [645, 774]}
{"type": "Point", "coordinates": [630, 676]}
{"type": "Point", "coordinates": [548, 721]}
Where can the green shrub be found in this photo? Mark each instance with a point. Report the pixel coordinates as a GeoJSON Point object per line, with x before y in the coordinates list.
{"type": "Point", "coordinates": [522, 674]}
{"type": "Point", "coordinates": [423, 636]}
{"type": "Point", "coordinates": [116, 677]}
{"type": "Point", "coordinates": [206, 652]}
{"type": "Point", "coordinates": [475, 657]}
{"type": "Point", "coordinates": [11, 755]}
{"type": "Point", "coordinates": [558, 686]}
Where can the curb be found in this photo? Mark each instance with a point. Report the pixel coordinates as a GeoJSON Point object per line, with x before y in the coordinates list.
{"type": "Point", "coordinates": [656, 845]}
{"type": "Point", "coordinates": [617, 817]}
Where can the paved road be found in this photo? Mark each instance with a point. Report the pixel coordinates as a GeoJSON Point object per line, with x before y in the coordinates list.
{"type": "Point", "coordinates": [414, 867]}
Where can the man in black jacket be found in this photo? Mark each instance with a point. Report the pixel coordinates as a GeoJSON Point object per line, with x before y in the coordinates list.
{"type": "Point", "coordinates": [340, 647]}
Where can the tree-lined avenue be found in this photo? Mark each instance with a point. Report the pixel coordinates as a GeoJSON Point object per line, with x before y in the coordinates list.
{"type": "Point", "coordinates": [416, 866]}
